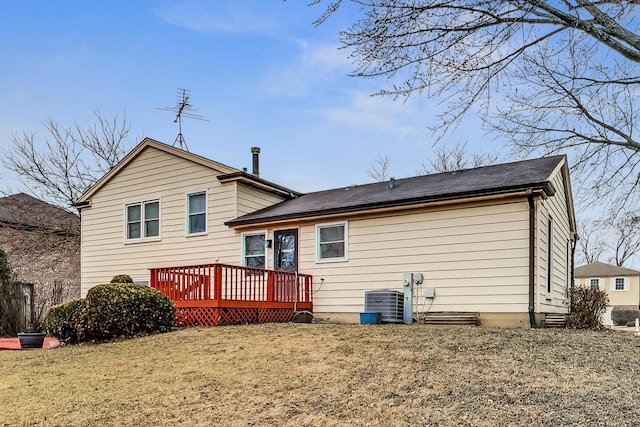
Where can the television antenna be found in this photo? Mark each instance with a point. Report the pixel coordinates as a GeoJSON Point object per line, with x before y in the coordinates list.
{"type": "Point", "coordinates": [182, 109]}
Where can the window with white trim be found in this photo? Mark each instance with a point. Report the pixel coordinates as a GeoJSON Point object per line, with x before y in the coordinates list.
{"type": "Point", "coordinates": [619, 283]}
{"type": "Point", "coordinates": [332, 242]}
{"type": "Point", "coordinates": [254, 252]}
{"type": "Point", "coordinates": [197, 213]}
{"type": "Point", "coordinates": [568, 266]}
{"type": "Point", "coordinates": [549, 255]}
{"type": "Point", "coordinates": [143, 220]}
{"type": "Point", "coordinates": [594, 282]}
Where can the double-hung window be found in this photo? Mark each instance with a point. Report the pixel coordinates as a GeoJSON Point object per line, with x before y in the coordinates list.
{"type": "Point", "coordinates": [332, 242]}
{"type": "Point", "coordinates": [143, 220]}
{"type": "Point", "coordinates": [594, 282]}
{"type": "Point", "coordinates": [197, 213]}
{"type": "Point", "coordinates": [619, 284]}
{"type": "Point", "coordinates": [254, 250]}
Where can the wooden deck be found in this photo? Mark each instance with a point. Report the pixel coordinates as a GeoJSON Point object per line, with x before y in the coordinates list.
{"type": "Point", "coordinates": [222, 294]}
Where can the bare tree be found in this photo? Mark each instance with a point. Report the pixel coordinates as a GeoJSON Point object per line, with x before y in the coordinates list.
{"type": "Point", "coordinates": [615, 240]}
{"type": "Point", "coordinates": [456, 158]}
{"type": "Point", "coordinates": [554, 76]}
{"type": "Point", "coordinates": [591, 244]}
{"type": "Point", "coordinates": [625, 242]}
{"type": "Point", "coordinates": [379, 168]}
{"type": "Point", "coordinates": [60, 167]}
{"type": "Point", "coordinates": [41, 235]}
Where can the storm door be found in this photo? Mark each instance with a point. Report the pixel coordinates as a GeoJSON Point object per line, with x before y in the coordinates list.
{"type": "Point", "coordinates": [286, 250]}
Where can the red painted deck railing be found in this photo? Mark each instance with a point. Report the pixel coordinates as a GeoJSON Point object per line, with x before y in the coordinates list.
{"type": "Point", "coordinates": [223, 285]}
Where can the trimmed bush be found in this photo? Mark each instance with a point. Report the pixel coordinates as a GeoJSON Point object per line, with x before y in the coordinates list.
{"type": "Point", "coordinates": [624, 317]}
{"type": "Point", "coordinates": [125, 310]}
{"type": "Point", "coordinates": [121, 278]}
{"type": "Point", "coordinates": [587, 307]}
{"type": "Point", "coordinates": [62, 321]}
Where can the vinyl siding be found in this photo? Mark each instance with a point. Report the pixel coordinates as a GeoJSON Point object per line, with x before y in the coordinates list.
{"type": "Point", "coordinates": [154, 174]}
{"type": "Point", "coordinates": [250, 199]}
{"type": "Point", "coordinates": [475, 255]}
{"type": "Point", "coordinates": [556, 208]}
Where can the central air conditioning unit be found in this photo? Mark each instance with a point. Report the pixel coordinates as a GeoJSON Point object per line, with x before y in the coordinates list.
{"type": "Point", "coordinates": [389, 303]}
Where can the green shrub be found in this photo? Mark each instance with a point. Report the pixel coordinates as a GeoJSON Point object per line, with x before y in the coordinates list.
{"type": "Point", "coordinates": [125, 310]}
{"type": "Point", "coordinates": [587, 307]}
{"type": "Point", "coordinates": [624, 317]}
{"type": "Point", "coordinates": [62, 321]}
{"type": "Point", "coordinates": [121, 278]}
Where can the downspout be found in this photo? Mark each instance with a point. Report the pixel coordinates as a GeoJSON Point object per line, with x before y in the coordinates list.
{"type": "Point", "coordinates": [532, 257]}
{"type": "Point", "coordinates": [574, 243]}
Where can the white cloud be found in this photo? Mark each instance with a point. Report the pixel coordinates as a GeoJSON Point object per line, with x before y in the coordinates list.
{"type": "Point", "coordinates": [210, 17]}
{"type": "Point", "coordinates": [315, 64]}
{"type": "Point", "coordinates": [361, 110]}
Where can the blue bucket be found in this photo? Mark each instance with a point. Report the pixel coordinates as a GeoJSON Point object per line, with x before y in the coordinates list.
{"type": "Point", "coordinates": [370, 318]}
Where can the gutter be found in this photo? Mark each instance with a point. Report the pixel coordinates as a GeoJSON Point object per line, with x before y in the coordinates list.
{"type": "Point", "coordinates": [544, 190]}
{"type": "Point", "coordinates": [532, 258]}
{"type": "Point", "coordinates": [80, 205]}
{"type": "Point", "coordinates": [259, 183]}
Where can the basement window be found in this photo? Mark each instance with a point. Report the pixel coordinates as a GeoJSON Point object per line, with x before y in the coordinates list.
{"type": "Point", "coordinates": [331, 242]}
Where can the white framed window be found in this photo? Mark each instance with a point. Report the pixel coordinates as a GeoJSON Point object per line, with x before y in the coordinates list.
{"type": "Point", "coordinates": [549, 255]}
{"type": "Point", "coordinates": [254, 249]}
{"type": "Point", "coordinates": [593, 282]}
{"type": "Point", "coordinates": [197, 213]}
{"type": "Point", "coordinates": [142, 221]}
{"type": "Point", "coordinates": [619, 283]}
{"type": "Point", "coordinates": [568, 266]}
{"type": "Point", "coordinates": [332, 243]}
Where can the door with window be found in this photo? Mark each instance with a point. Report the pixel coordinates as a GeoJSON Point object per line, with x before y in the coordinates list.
{"type": "Point", "coordinates": [285, 259]}
{"type": "Point", "coordinates": [286, 250]}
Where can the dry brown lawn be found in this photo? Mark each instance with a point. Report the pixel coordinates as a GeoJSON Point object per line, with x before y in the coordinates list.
{"type": "Point", "coordinates": [319, 374]}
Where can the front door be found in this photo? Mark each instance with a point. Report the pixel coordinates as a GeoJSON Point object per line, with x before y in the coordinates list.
{"type": "Point", "coordinates": [286, 250]}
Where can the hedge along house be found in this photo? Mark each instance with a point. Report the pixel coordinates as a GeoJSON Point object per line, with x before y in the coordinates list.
{"type": "Point", "coordinates": [496, 240]}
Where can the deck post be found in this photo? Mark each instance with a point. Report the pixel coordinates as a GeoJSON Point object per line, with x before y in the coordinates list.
{"type": "Point", "coordinates": [217, 281]}
{"type": "Point", "coordinates": [154, 279]}
{"type": "Point", "coordinates": [270, 285]}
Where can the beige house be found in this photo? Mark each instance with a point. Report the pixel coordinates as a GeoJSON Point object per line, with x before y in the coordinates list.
{"type": "Point", "coordinates": [621, 284]}
{"type": "Point", "coordinates": [496, 240]}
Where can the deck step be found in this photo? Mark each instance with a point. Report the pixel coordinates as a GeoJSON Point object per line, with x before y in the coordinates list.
{"type": "Point", "coordinates": [555, 320]}
{"type": "Point", "coordinates": [450, 318]}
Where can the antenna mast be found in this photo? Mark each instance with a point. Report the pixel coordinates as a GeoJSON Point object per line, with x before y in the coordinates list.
{"type": "Point", "coordinates": [182, 109]}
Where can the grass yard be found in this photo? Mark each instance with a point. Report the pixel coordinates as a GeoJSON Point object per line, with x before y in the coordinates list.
{"type": "Point", "coordinates": [319, 374]}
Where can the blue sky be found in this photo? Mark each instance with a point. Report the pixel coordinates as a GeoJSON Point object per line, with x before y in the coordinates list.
{"type": "Point", "coordinates": [259, 71]}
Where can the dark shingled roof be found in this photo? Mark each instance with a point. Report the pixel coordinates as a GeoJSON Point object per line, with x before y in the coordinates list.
{"type": "Point", "coordinates": [489, 180]}
{"type": "Point", "coordinates": [600, 269]}
{"type": "Point", "coordinates": [23, 210]}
